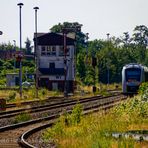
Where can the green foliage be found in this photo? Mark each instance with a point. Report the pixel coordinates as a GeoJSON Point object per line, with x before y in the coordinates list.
{"type": "Point", "coordinates": [94, 130]}
{"type": "Point", "coordinates": [12, 96]}
{"type": "Point", "coordinates": [2, 81]}
{"type": "Point", "coordinates": [1, 63]}
{"type": "Point", "coordinates": [22, 118]}
{"type": "Point", "coordinates": [76, 114]}
{"type": "Point", "coordinates": [143, 91]}
{"type": "Point", "coordinates": [81, 69]}
{"type": "Point", "coordinates": [143, 87]}
{"type": "Point", "coordinates": [28, 46]}
{"type": "Point", "coordinates": [43, 92]}
{"type": "Point", "coordinates": [7, 65]}
{"type": "Point", "coordinates": [66, 120]}
{"type": "Point", "coordinates": [111, 54]}
{"type": "Point", "coordinates": [134, 107]}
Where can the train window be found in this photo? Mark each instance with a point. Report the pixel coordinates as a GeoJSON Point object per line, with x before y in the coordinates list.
{"type": "Point", "coordinates": [133, 74]}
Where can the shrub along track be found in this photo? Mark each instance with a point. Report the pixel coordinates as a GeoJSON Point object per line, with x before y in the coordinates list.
{"type": "Point", "coordinates": [9, 134]}
{"type": "Point", "coordinates": [48, 106]}
{"type": "Point", "coordinates": [12, 106]}
{"type": "Point", "coordinates": [37, 102]}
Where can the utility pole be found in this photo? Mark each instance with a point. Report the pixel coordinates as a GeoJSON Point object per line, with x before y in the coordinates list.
{"type": "Point", "coordinates": [65, 31]}
{"type": "Point", "coordinates": [65, 63]}
{"type": "Point", "coordinates": [36, 52]}
{"type": "Point", "coordinates": [87, 47]}
{"type": "Point", "coordinates": [108, 74]}
{"type": "Point", "coordinates": [20, 68]}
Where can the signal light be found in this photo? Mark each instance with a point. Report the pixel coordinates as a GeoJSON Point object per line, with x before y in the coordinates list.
{"type": "Point", "coordinates": [17, 62]}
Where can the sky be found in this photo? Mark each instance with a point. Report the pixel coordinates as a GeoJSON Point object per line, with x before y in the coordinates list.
{"type": "Point", "coordinates": [98, 17]}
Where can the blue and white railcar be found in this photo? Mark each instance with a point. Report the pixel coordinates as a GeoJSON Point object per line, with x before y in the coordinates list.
{"type": "Point", "coordinates": [132, 76]}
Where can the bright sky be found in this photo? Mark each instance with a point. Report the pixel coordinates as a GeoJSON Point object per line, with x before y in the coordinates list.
{"type": "Point", "coordinates": [98, 17]}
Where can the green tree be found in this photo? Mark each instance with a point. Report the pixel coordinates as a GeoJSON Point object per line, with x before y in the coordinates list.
{"type": "Point", "coordinates": [140, 37]}
{"type": "Point", "coordinates": [28, 46]}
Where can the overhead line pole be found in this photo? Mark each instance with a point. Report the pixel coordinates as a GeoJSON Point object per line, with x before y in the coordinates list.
{"type": "Point", "coordinates": [20, 68]}
{"type": "Point", "coordinates": [36, 52]}
{"type": "Point", "coordinates": [108, 74]}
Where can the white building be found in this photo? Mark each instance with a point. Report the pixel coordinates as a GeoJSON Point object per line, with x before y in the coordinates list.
{"type": "Point", "coordinates": [53, 70]}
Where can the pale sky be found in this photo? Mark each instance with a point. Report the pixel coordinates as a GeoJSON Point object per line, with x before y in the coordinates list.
{"type": "Point", "coordinates": [98, 17]}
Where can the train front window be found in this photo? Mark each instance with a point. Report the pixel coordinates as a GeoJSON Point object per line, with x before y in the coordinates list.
{"type": "Point", "coordinates": [133, 74]}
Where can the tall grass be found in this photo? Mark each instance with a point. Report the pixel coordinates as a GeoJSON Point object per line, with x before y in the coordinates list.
{"type": "Point", "coordinates": [22, 118]}
{"type": "Point", "coordinates": [27, 94]}
{"type": "Point", "coordinates": [95, 130]}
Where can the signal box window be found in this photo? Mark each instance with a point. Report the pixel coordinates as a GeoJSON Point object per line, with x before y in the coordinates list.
{"type": "Point", "coordinates": [48, 51]}
{"type": "Point", "coordinates": [61, 51]}
{"type": "Point", "coordinates": [43, 50]}
{"type": "Point", "coordinates": [52, 65]}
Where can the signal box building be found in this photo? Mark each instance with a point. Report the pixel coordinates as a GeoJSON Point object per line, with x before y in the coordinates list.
{"type": "Point", "coordinates": [54, 70]}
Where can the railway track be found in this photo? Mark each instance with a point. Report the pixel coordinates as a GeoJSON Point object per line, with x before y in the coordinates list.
{"type": "Point", "coordinates": [12, 113]}
{"type": "Point", "coordinates": [43, 108]}
{"type": "Point", "coordinates": [11, 106]}
{"type": "Point", "coordinates": [18, 129]}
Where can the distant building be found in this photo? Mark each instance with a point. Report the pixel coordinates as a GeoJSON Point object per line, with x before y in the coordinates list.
{"type": "Point", "coordinates": [7, 54]}
{"type": "Point", "coordinates": [52, 70]}
{"type": "Point", "coordinates": [12, 79]}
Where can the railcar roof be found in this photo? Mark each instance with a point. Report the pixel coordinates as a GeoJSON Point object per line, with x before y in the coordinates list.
{"type": "Point", "coordinates": [135, 65]}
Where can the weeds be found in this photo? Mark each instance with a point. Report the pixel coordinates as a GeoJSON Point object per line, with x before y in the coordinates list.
{"type": "Point", "coordinates": [22, 118]}
{"type": "Point", "coordinates": [65, 120]}
{"type": "Point", "coordinates": [12, 96]}
{"type": "Point", "coordinates": [73, 130]}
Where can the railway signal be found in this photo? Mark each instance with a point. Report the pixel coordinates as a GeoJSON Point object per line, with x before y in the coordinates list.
{"type": "Point", "coordinates": [94, 64]}
{"type": "Point", "coordinates": [19, 55]}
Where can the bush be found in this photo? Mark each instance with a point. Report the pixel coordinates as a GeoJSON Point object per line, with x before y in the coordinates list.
{"type": "Point", "coordinates": [12, 95]}
{"type": "Point", "coordinates": [143, 87]}
{"type": "Point", "coordinates": [143, 91]}
{"type": "Point", "coordinates": [66, 120]}
{"type": "Point", "coordinates": [21, 118]}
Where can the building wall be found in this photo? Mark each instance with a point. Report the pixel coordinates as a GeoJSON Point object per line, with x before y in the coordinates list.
{"type": "Point", "coordinates": [56, 84]}
{"type": "Point", "coordinates": [51, 62]}
{"type": "Point", "coordinates": [45, 60]}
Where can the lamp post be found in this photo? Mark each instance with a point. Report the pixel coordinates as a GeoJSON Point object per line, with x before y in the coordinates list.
{"type": "Point", "coordinates": [1, 32]}
{"type": "Point", "coordinates": [36, 51]}
{"type": "Point", "coordinates": [20, 69]}
{"type": "Point", "coordinates": [108, 60]}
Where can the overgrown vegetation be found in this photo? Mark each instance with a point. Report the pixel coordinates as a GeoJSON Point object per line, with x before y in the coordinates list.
{"type": "Point", "coordinates": [94, 130]}
{"type": "Point", "coordinates": [22, 118]}
{"type": "Point", "coordinates": [13, 96]}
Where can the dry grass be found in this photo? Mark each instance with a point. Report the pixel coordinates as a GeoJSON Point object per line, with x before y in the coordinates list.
{"type": "Point", "coordinates": [91, 131]}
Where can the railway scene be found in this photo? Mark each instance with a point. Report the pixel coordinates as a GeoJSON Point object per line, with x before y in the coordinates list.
{"type": "Point", "coordinates": [62, 85]}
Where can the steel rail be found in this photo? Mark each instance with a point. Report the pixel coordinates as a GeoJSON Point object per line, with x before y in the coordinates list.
{"type": "Point", "coordinates": [12, 113]}
{"type": "Point", "coordinates": [87, 110]}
